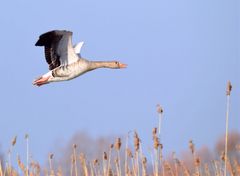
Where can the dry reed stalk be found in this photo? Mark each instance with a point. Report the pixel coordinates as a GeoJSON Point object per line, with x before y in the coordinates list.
{"type": "Point", "coordinates": [83, 164]}
{"type": "Point", "coordinates": [161, 158]}
{"type": "Point", "coordinates": [9, 162]}
{"type": "Point", "coordinates": [109, 158]}
{"type": "Point", "coordinates": [155, 147]}
{"type": "Point", "coordinates": [14, 140]}
{"type": "Point", "coordinates": [136, 148]}
{"type": "Point", "coordinates": [191, 146]}
{"type": "Point", "coordinates": [143, 160]}
{"type": "Point", "coordinates": [5, 170]}
{"type": "Point", "coordinates": [197, 164]}
{"type": "Point", "coordinates": [95, 167]}
{"type": "Point", "coordinates": [206, 169]}
{"type": "Point", "coordinates": [27, 145]}
{"type": "Point", "coordinates": [91, 169]}
{"type": "Point", "coordinates": [105, 158]}
{"type": "Point", "coordinates": [152, 160]}
{"type": "Point", "coordinates": [216, 168]}
{"type": "Point", "coordinates": [176, 161]}
{"type": "Point", "coordinates": [168, 168]}
{"type": "Point", "coordinates": [156, 162]}
{"type": "Point", "coordinates": [144, 166]}
{"type": "Point", "coordinates": [75, 159]}
{"type": "Point", "coordinates": [45, 171]}
{"type": "Point", "coordinates": [237, 167]}
{"type": "Point", "coordinates": [228, 92]}
{"type": "Point", "coordinates": [185, 170]}
{"type": "Point", "coordinates": [59, 172]}
{"type": "Point", "coordinates": [230, 169]}
{"type": "Point", "coordinates": [130, 155]}
{"type": "Point", "coordinates": [72, 161]}
{"type": "Point", "coordinates": [1, 171]}
{"type": "Point", "coordinates": [50, 158]}
{"type": "Point", "coordinates": [117, 145]}
{"type": "Point", "coordinates": [110, 172]}
{"type": "Point", "coordinates": [117, 166]}
{"type": "Point", "coordinates": [21, 166]}
{"type": "Point", "coordinates": [160, 114]}
{"type": "Point", "coordinates": [126, 155]}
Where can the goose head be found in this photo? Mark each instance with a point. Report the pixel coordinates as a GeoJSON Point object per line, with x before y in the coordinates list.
{"type": "Point", "coordinates": [116, 65]}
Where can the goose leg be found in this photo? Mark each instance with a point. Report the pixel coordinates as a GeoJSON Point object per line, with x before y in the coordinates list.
{"type": "Point", "coordinates": [40, 81]}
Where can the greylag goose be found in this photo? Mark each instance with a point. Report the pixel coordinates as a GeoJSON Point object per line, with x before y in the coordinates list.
{"type": "Point", "coordinates": [64, 59]}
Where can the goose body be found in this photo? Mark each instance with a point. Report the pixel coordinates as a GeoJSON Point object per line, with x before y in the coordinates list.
{"type": "Point", "coordinates": [64, 59]}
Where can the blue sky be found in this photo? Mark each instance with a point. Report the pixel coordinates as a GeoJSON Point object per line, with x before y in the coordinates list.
{"type": "Point", "coordinates": [180, 53]}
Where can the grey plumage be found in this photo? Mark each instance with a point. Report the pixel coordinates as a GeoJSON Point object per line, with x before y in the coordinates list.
{"type": "Point", "coordinates": [64, 63]}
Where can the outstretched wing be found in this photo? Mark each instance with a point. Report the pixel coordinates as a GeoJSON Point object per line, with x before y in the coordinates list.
{"type": "Point", "coordinates": [58, 48]}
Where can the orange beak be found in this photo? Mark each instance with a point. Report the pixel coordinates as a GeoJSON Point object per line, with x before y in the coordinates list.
{"type": "Point", "coordinates": [121, 65]}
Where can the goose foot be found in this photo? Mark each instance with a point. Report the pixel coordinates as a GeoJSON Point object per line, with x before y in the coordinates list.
{"type": "Point", "coordinates": [41, 80]}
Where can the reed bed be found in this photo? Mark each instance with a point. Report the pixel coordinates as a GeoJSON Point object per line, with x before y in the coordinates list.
{"type": "Point", "coordinates": [120, 159]}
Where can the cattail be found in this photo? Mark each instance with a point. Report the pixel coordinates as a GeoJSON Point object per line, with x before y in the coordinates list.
{"type": "Point", "coordinates": [222, 156]}
{"type": "Point", "coordinates": [136, 141]}
{"type": "Point", "coordinates": [144, 160]}
{"type": "Point", "coordinates": [95, 162]}
{"type": "Point", "coordinates": [154, 132]}
{"type": "Point", "coordinates": [105, 156]}
{"type": "Point", "coordinates": [197, 162]}
{"type": "Point", "coordinates": [229, 88]}
{"type": "Point", "coordinates": [118, 144]}
{"type": "Point", "coordinates": [129, 153]}
{"type": "Point", "coordinates": [51, 156]}
{"type": "Point", "coordinates": [14, 140]}
{"type": "Point", "coordinates": [159, 109]}
{"type": "Point", "coordinates": [156, 143]}
{"type": "Point", "coordinates": [191, 146]}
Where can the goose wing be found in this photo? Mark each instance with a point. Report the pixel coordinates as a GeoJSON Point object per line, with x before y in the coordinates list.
{"type": "Point", "coordinates": [58, 48]}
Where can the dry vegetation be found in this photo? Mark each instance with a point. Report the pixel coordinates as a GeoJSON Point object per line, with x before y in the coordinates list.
{"type": "Point", "coordinates": [126, 157]}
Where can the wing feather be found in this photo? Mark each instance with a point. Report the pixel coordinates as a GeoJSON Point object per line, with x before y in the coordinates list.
{"type": "Point", "coordinates": [58, 48]}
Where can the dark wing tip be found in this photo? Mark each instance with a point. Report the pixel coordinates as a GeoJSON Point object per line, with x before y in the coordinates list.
{"type": "Point", "coordinates": [47, 38]}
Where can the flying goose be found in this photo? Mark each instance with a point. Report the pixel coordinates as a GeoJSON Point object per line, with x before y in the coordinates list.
{"type": "Point", "coordinates": [64, 59]}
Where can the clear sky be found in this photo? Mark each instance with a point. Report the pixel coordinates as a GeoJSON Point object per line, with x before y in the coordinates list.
{"type": "Point", "coordinates": [180, 53]}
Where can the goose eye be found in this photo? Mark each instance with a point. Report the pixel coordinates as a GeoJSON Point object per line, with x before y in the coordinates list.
{"type": "Point", "coordinates": [116, 63]}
